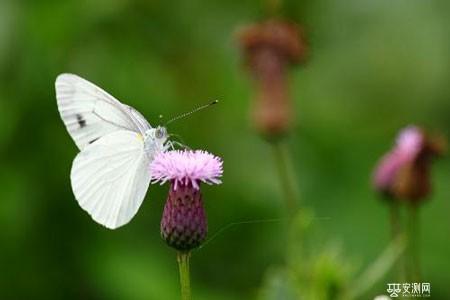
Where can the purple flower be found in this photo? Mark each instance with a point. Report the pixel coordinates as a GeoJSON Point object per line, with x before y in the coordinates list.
{"type": "Point", "coordinates": [407, 147]}
{"type": "Point", "coordinates": [183, 167]}
{"type": "Point", "coordinates": [404, 171]}
{"type": "Point", "coordinates": [184, 224]}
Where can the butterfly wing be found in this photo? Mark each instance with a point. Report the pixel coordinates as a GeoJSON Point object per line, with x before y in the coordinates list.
{"type": "Point", "coordinates": [110, 177]}
{"type": "Point", "coordinates": [90, 113]}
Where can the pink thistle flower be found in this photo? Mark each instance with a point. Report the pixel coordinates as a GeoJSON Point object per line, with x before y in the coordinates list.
{"type": "Point", "coordinates": [404, 171]}
{"type": "Point", "coordinates": [184, 167]}
{"type": "Point", "coordinates": [184, 224]}
{"type": "Point", "coordinates": [407, 147]}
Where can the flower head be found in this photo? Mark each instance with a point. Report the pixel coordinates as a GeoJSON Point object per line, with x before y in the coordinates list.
{"type": "Point", "coordinates": [184, 167]}
{"type": "Point", "coordinates": [407, 147]}
{"type": "Point", "coordinates": [184, 223]}
{"type": "Point", "coordinates": [269, 49]}
{"type": "Point", "coordinates": [404, 171]}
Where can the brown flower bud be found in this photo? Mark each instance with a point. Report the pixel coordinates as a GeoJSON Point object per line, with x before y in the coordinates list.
{"type": "Point", "coordinates": [269, 49]}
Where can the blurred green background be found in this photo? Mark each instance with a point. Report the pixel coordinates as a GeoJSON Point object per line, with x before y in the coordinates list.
{"type": "Point", "coordinates": [374, 67]}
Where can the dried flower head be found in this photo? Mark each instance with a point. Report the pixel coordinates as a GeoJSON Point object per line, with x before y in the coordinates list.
{"type": "Point", "coordinates": [269, 49]}
{"type": "Point", "coordinates": [184, 224]}
{"type": "Point", "coordinates": [283, 37]}
{"type": "Point", "coordinates": [403, 173]}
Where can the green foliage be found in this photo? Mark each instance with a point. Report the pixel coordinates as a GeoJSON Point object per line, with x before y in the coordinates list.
{"type": "Point", "coordinates": [374, 66]}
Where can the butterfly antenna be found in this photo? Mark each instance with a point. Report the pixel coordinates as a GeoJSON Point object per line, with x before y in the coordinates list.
{"type": "Point", "coordinates": [192, 111]}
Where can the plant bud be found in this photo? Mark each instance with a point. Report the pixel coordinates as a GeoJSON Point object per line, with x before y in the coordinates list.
{"type": "Point", "coordinates": [269, 49]}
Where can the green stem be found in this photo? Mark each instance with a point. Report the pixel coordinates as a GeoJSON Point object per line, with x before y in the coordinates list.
{"type": "Point", "coordinates": [286, 175]}
{"type": "Point", "coordinates": [290, 195]}
{"type": "Point", "coordinates": [413, 244]}
{"type": "Point", "coordinates": [395, 233]}
{"type": "Point", "coordinates": [183, 267]}
{"type": "Point", "coordinates": [395, 220]}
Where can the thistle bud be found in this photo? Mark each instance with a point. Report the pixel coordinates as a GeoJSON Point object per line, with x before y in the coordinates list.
{"type": "Point", "coordinates": [404, 172]}
{"type": "Point", "coordinates": [269, 49]}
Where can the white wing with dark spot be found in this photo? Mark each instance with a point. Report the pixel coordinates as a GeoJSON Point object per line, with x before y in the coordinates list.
{"type": "Point", "coordinates": [111, 176]}
{"type": "Point", "coordinates": [90, 113]}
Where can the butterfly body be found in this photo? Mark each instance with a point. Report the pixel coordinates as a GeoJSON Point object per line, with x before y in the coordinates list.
{"type": "Point", "coordinates": [110, 175]}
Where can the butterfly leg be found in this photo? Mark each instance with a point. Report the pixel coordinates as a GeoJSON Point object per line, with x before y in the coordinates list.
{"type": "Point", "coordinates": [172, 144]}
{"type": "Point", "coordinates": [179, 143]}
{"type": "Point", "coordinates": [169, 145]}
{"type": "Point", "coordinates": [182, 145]}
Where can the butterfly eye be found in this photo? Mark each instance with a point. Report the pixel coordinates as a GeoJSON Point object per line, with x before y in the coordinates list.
{"type": "Point", "coordinates": [160, 132]}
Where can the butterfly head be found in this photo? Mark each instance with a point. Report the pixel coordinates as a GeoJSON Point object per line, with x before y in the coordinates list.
{"type": "Point", "coordinates": [155, 140]}
{"type": "Point", "coordinates": [161, 133]}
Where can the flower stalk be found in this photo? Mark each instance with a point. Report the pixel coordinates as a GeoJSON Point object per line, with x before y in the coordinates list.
{"type": "Point", "coordinates": [396, 232]}
{"type": "Point", "coordinates": [287, 176]}
{"type": "Point", "coordinates": [413, 244]}
{"type": "Point", "coordinates": [185, 281]}
{"type": "Point", "coordinates": [395, 219]}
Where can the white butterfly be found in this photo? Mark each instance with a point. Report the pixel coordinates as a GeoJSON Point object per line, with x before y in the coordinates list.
{"type": "Point", "coordinates": [110, 175]}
